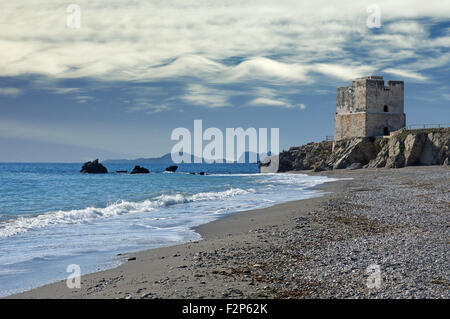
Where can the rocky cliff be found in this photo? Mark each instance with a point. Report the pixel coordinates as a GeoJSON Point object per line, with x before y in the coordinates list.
{"type": "Point", "coordinates": [420, 147]}
{"type": "Point", "coordinates": [402, 148]}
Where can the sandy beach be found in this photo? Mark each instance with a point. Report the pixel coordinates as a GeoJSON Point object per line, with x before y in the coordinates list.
{"type": "Point", "coordinates": [313, 248]}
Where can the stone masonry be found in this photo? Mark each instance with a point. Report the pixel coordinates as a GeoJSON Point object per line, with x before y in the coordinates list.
{"type": "Point", "coordinates": [369, 108]}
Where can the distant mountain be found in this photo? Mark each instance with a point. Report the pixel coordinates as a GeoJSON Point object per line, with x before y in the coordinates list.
{"type": "Point", "coordinates": [165, 159]}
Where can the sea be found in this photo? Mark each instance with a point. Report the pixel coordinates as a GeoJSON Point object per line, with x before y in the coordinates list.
{"type": "Point", "coordinates": [52, 216]}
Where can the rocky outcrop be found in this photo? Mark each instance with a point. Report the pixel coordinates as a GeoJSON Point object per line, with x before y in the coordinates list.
{"type": "Point", "coordinates": [93, 167]}
{"type": "Point", "coordinates": [402, 148]}
{"type": "Point", "coordinates": [436, 149]}
{"type": "Point", "coordinates": [270, 164]}
{"type": "Point", "coordinates": [172, 168]}
{"type": "Point", "coordinates": [139, 170]}
{"type": "Point", "coordinates": [418, 147]}
{"type": "Point", "coordinates": [321, 166]}
{"type": "Point", "coordinates": [304, 157]}
{"type": "Point", "coordinates": [413, 148]}
{"type": "Point", "coordinates": [355, 150]}
{"type": "Point", "coordinates": [396, 158]}
{"type": "Point", "coordinates": [354, 166]}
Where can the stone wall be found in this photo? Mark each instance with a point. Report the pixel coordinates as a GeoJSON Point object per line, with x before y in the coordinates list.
{"type": "Point", "coordinates": [349, 125]}
{"type": "Point", "coordinates": [378, 96]}
{"type": "Point", "coordinates": [369, 108]}
{"type": "Point", "coordinates": [377, 122]}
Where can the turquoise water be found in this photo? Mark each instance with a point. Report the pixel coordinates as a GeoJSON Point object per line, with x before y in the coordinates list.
{"type": "Point", "coordinates": [52, 216]}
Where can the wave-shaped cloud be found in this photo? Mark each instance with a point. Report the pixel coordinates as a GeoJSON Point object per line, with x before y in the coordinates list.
{"type": "Point", "coordinates": [149, 40]}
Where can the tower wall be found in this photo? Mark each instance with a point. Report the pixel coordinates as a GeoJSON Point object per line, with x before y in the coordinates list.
{"type": "Point", "coordinates": [379, 124]}
{"type": "Point", "coordinates": [369, 108]}
{"type": "Point", "coordinates": [349, 125]}
{"type": "Point", "coordinates": [378, 96]}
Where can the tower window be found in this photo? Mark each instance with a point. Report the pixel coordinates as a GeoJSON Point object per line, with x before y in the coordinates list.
{"type": "Point", "coordinates": [386, 109]}
{"type": "Point", "coordinates": [386, 131]}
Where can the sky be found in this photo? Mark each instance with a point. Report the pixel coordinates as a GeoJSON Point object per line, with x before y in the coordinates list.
{"type": "Point", "coordinates": [133, 71]}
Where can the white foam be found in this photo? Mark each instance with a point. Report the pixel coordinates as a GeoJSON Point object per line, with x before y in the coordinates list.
{"type": "Point", "coordinates": [24, 224]}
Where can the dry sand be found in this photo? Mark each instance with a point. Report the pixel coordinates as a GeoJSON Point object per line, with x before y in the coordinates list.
{"type": "Point", "coordinates": [313, 248]}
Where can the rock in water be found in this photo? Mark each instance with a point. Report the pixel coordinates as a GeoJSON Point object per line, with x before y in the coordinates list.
{"type": "Point", "coordinates": [270, 164]}
{"type": "Point", "coordinates": [93, 167]}
{"type": "Point", "coordinates": [172, 168]}
{"type": "Point", "coordinates": [139, 170]}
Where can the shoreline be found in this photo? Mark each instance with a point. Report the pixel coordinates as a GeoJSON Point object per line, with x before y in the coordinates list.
{"type": "Point", "coordinates": [230, 261]}
{"type": "Point", "coordinates": [216, 228]}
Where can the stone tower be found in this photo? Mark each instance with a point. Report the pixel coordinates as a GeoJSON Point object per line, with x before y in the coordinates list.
{"type": "Point", "coordinates": [369, 108]}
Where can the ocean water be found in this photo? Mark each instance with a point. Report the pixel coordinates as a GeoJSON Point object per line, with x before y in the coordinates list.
{"type": "Point", "coordinates": [52, 216]}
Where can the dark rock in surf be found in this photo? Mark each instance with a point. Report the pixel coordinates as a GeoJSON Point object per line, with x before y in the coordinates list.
{"type": "Point", "coordinates": [139, 170]}
{"type": "Point", "coordinates": [93, 167]}
{"type": "Point", "coordinates": [172, 168]}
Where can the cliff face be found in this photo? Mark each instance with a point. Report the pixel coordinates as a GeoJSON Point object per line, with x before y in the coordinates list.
{"type": "Point", "coordinates": [415, 147]}
{"type": "Point", "coordinates": [354, 150]}
{"type": "Point", "coordinates": [305, 156]}
{"type": "Point", "coordinates": [403, 148]}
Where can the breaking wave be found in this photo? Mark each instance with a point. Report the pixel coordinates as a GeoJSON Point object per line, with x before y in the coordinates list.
{"type": "Point", "coordinates": [24, 224]}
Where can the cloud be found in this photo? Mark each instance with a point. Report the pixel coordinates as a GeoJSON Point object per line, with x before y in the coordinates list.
{"type": "Point", "coordinates": [10, 91]}
{"type": "Point", "coordinates": [151, 40]}
{"type": "Point", "coordinates": [280, 102]}
{"type": "Point", "coordinates": [205, 96]}
{"type": "Point", "coordinates": [406, 27]}
{"type": "Point", "coordinates": [343, 72]}
{"type": "Point", "coordinates": [146, 106]}
{"type": "Point", "coordinates": [149, 108]}
{"type": "Point", "coordinates": [406, 74]}
{"type": "Point", "coordinates": [268, 102]}
{"type": "Point", "coordinates": [59, 90]}
{"type": "Point", "coordinates": [83, 98]}
{"type": "Point", "coordinates": [271, 97]}
{"type": "Point", "coordinates": [267, 69]}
